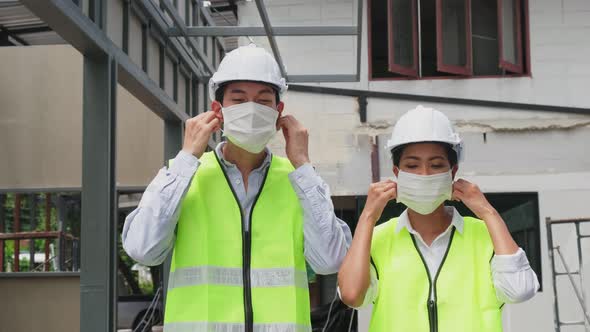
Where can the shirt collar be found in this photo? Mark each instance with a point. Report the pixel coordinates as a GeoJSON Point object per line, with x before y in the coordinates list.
{"type": "Point", "coordinates": [404, 221]}
{"type": "Point", "coordinates": [219, 153]}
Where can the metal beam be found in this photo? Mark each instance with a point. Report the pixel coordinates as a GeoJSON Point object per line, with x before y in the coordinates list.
{"type": "Point", "coordinates": [25, 31]}
{"type": "Point", "coordinates": [173, 13]}
{"type": "Point", "coordinates": [211, 22]}
{"type": "Point", "coordinates": [437, 99]}
{"type": "Point", "coordinates": [321, 78]}
{"type": "Point", "coordinates": [160, 24]}
{"type": "Point", "coordinates": [171, 10]}
{"type": "Point", "coordinates": [121, 189]}
{"type": "Point", "coordinates": [270, 34]}
{"type": "Point", "coordinates": [10, 34]}
{"type": "Point", "coordinates": [98, 279]}
{"type": "Point", "coordinates": [237, 31]}
{"type": "Point", "coordinates": [65, 18]}
{"type": "Point", "coordinates": [34, 235]}
{"type": "Point", "coordinates": [359, 34]}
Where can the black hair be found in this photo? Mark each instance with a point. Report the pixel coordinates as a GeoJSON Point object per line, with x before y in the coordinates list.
{"type": "Point", "coordinates": [220, 92]}
{"type": "Point", "coordinates": [396, 153]}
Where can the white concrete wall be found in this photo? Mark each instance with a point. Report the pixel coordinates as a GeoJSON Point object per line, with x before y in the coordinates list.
{"type": "Point", "coordinates": [523, 151]}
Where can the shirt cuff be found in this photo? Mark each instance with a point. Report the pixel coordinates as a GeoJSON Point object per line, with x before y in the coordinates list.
{"type": "Point", "coordinates": [184, 164]}
{"type": "Point", "coordinates": [305, 177]}
{"type": "Point", "coordinates": [511, 263]}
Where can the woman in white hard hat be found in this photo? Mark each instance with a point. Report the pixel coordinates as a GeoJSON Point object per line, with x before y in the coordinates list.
{"type": "Point", "coordinates": [241, 222]}
{"type": "Point", "coordinates": [431, 269]}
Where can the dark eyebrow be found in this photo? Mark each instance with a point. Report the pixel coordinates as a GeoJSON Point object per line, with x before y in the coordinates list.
{"type": "Point", "coordinates": [266, 90]}
{"type": "Point", "coordinates": [411, 157]}
{"type": "Point", "coordinates": [437, 157]}
{"type": "Point", "coordinates": [237, 91]}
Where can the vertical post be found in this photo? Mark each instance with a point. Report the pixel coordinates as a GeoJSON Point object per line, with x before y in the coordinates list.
{"type": "Point", "coordinates": [581, 269]}
{"type": "Point", "coordinates": [175, 81]}
{"type": "Point", "coordinates": [33, 225]}
{"type": "Point", "coordinates": [97, 12]}
{"type": "Point", "coordinates": [17, 201]}
{"type": "Point", "coordinates": [144, 52]}
{"type": "Point", "coordinates": [552, 259]}
{"type": "Point", "coordinates": [2, 229]}
{"type": "Point", "coordinates": [99, 210]}
{"type": "Point", "coordinates": [162, 67]}
{"type": "Point", "coordinates": [187, 95]}
{"type": "Point", "coordinates": [75, 255]}
{"type": "Point", "coordinates": [47, 228]}
{"type": "Point", "coordinates": [206, 103]}
{"type": "Point", "coordinates": [172, 144]}
{"type": "Point", "coordinates": [126, 18]}
{"type": "Point", "coordinates": [362, 101]}
{"type": "Point", "coordinates": [194, 97]}
{"type": "Point", "coordinates": [205, 98]}
{"type": "Point", "coordinates": [61, 215]}
{"type": "Point", "coordinates": [375, 170]}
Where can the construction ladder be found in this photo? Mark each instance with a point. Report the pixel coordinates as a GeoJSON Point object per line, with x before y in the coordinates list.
{"type": "Point", "coordinates": [579, 292]}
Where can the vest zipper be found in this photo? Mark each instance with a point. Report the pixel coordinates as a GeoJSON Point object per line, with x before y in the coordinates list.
{"type": "Point", "coordinates": [246, 249]}
{"type": "Point", "coordinates": [432, 303]}
{"type": "Point", "coordinates": [246, 257]}
{"type": "Point", "coordinates": [432, 314]}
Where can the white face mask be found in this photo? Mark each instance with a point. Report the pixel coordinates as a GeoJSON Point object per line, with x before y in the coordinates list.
{"type": "Point", "coordinates": [424, 193]}
{"type": "Point", "coordinates": [249, 125]}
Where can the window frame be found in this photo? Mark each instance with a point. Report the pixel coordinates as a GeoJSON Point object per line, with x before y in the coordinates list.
{"type": "Point", "coordinates": [508, 66]}
{"type": "Point", "coordinates": [526, 57]}
{"type": "Point", "coordinates": [466, 70]}
{"type": "Point", "coordinates": [392, 67]}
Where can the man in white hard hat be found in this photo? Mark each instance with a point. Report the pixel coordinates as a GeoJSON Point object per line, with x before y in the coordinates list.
{"type": "Point", "coordinates": [247, 221]}
{"type": "Point", "coordinates": [432, 269]}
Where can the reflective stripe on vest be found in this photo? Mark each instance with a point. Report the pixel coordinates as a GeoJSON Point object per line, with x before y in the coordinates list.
{"type": "Point", "coordinates": [233, 327]}
{"type": "Point", "coordinates": [464, 295]}
{"type": "Point", "coordinates": [231, 276]}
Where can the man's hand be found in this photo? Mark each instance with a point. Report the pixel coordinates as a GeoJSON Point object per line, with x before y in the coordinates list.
{"type": "Point", "coordinates": [380, 193]}
{"type": "Point", "coordinates": [197, 132]}
{"type": "Point", "coordinates": [297, 139]}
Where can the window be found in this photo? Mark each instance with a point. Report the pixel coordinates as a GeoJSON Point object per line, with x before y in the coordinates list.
{"type": "Point", "coordinates": [415, 39]}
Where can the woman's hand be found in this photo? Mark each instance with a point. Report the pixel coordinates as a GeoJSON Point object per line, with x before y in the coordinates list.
{"type": "Point", "coordinates": [380, 193]}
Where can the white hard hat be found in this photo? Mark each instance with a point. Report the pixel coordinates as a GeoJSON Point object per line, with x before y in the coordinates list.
{"type": "Point", "coordinates": [425, 125]}
{"type": "Point", "coordinates": [248, 63]}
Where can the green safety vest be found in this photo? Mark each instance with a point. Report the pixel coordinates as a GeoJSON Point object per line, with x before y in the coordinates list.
{"type": "Point", "coordinates": [226, 278]}
{"type": "Point", "coordinates": [464, 294]}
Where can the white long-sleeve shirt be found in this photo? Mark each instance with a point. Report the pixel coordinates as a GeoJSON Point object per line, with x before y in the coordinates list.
{"type": "Point", "coordinates": [148, 233]}
{"type": "Point", "coordinates": [512, 275]}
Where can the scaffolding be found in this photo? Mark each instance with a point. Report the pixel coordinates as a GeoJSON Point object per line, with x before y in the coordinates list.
{"type": "Point", "coordinates": [579, 291]}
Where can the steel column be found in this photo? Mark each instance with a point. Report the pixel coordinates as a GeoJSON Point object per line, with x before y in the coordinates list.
{"type": "Point", "coordinates": [32, 228]}
{"type": "Point", "coordinates": [47, 229]}
{"type": "Point", "coordinates": [61, 215]}
{"type": "Point", "coordinates": [99, 205]}
{"type": "Point", "coordinates": [2, 230]}
{"type": "Point", "coordinates": [359, 34]}
{"type": "Point", "coordinates": [17, 203]}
